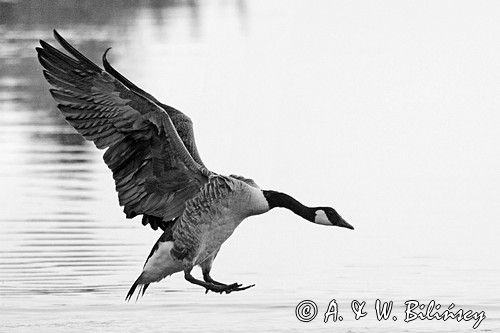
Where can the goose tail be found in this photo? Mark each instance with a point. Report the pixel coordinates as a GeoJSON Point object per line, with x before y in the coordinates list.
{"type": "Point", "coordinates": [142, 289]}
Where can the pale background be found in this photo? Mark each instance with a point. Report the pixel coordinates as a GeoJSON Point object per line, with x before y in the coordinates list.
{"type": "Point", "coordinates": [387, 111]}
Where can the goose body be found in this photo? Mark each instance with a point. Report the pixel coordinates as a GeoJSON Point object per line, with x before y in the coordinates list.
{"type": "Point", "coordinates": [212, 216]}
{"type": "Point", "coordinates": [157, 169]}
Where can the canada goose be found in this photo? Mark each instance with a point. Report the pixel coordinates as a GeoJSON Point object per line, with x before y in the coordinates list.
{"type": "Point", "coordinates": [157, 169]}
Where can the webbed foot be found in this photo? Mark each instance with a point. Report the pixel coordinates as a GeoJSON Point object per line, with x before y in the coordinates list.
{"type": "Point", "coordinates": [223, 288]}
{"type": "Point", "coordinates": [211, 285]}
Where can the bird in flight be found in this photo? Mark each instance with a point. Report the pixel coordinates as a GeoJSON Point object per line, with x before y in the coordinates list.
{"type": "Point", "coordinates": [158, 172]}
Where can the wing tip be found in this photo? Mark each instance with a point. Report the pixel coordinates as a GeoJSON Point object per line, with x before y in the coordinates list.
{"type": "Point", "coordinates": [57, 36]}
{"type": "Point", "coordinates": [105, 53]}
{"type": "Point", "coordinates": [75, 53]}
{"type": "Point", "coordinates": [39, 52]}
{"type": "Point", "coordinates": [105, 61]}
{"type": "Point", "coordinates": [43, 43]}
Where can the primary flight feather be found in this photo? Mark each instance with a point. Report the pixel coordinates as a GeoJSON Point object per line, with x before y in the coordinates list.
{"type": "Point", "coordinates": [157, 169]}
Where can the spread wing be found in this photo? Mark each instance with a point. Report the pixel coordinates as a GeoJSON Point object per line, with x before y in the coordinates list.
{"type": "Point", "coordinates": [183, 123]}
{"type": "Point", "coordinates": [150, 146]}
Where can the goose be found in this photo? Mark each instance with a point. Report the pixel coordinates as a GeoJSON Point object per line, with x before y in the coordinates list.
{"type": "Point", "coordinates": [158, 172]}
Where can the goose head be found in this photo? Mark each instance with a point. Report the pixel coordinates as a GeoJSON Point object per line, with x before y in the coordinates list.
{"type": "Point", "coordinates": [319, 215]}
{"type": "Point", "coordinates": [329, 216]}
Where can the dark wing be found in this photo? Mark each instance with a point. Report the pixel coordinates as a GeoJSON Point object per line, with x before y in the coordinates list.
{"type": "Point", "coordinates": [182, 123]}
{"type": "Point", "coordinates": [153, 170]}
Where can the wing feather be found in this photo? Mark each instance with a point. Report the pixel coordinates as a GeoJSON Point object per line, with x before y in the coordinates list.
{"type": "Point", "coordinates": [183, 123]}
{"type": "Point", "coordinates": [150, 146]}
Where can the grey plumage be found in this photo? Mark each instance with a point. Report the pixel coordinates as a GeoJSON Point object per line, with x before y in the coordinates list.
{"type": "Point", "coordinates": [212, 215]}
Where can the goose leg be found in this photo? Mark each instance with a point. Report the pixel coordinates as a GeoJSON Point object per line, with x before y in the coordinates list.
{"type": "Point", "coordinates": [206, 267]}
{"type": "Point", "coordinates": [238, 287]}
{"type": "Point", "coordinates": [216, 288]}
{"type": "Point", "coordinates": [208, 278]}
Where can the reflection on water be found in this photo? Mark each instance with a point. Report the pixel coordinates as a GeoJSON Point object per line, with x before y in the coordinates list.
{"type": "Point", "coordinates": [68, 255]}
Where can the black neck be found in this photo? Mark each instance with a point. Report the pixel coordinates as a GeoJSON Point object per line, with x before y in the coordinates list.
{"type": "Point", "coordinates": [277, 199]}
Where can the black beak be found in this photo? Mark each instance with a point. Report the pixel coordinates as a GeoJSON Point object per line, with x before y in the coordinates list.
{"type": "Point", "coordinates": [342, 223]}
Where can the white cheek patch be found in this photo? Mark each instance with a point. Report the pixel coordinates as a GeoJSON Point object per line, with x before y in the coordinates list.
{"type": "Point", "coordinates": [321, 218]}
